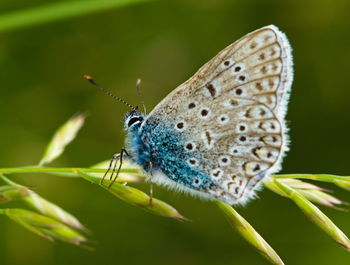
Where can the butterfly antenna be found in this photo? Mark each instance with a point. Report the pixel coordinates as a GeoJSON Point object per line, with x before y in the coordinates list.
{"type": "Point", "coordinates": [93, 82]}
{"type": "Point", "coordinates": [138, 88]}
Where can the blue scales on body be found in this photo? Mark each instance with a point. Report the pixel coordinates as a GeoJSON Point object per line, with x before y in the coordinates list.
{"type": "Point", "coordinates": [158, 149]}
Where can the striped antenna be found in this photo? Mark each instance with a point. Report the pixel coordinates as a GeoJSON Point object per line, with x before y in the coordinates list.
{"type": "Point", "coordinates": [93, 82]}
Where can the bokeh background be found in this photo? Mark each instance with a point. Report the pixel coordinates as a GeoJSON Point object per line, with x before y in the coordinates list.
{"type": "Point", "coordinates": [164, 43]}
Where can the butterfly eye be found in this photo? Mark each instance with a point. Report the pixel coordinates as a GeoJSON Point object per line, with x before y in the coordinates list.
{"type": "Point", "coordinates": [133, 120]}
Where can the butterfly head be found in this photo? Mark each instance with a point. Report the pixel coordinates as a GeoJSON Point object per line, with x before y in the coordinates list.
{"type": "Point", "coordinates": [133, 120]}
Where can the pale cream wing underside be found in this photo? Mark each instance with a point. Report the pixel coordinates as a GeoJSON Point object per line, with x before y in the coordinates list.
{"type": "Point", "coordinates": [233, 110]}
{"type": "Point", "coordinates": [236, 140]}
{"type": "Point", "coordinates": [258, 67]}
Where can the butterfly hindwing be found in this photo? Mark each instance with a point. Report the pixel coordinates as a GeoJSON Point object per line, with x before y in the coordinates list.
{"type": "Point", "coordinates": [236, 142]}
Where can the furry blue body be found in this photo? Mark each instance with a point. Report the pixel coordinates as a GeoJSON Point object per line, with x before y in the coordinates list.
{"type": "Point", "coordinates": [157, 147]}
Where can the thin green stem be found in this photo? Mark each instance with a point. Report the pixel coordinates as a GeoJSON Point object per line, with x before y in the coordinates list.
{"type": "Point", "coordinates": [58, 170]}
{"type": "Point", "coordinates": [72, 173]}
{"type": "Point", "coordinates": [318, 177]}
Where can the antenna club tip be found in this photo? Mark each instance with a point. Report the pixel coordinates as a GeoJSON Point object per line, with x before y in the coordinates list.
{"type": "Point", "coordinates": [88, 77]}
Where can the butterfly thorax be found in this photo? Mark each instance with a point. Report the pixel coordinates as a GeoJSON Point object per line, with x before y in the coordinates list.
{"type": "Point", "coordinates": [139, 151]}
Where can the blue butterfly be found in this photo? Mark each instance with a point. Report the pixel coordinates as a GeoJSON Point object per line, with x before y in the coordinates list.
{"type": "Point", "coordinates": [219, 134]}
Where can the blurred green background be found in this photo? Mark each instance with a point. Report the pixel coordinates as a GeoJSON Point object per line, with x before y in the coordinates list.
{"type": "Point", "coordinates": [164, 43]}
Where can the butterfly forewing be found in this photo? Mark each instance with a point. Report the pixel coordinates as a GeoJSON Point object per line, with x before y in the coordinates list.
{"type": "Point", "coordinates": [258, 66]}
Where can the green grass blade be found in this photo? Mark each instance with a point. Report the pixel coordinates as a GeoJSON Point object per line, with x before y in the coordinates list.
{"type": "Point", "coordinates": [340, 181]}
{"type": "Point", "coordinates": [43, 206]}
{"type": "Point", "coordinates": [62, 137]}
{"type": "Point", "coordinates": [319, 177]}
{"type": "Point", "coordinates": [249, 233]}
{"type": "Point", "coordinates": [45, 227]}
{"type": "Point", "coordinates": [315, 215]}
{"type": "Point", "coordinates": [135, 197]}
{"type": "Point", "coordinates": [61, 171]}
{"type": "Point", "coordinates": [10, 193]}
{"type": "Point", "coordinates": [309, 191]}
{"type": "Point", "coordinates": [57, 11]}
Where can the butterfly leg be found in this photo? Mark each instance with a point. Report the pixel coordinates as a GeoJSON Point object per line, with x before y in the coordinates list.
{"type": "Point", "coordinates": [150, 184]}
{"type": "Point", "coordinates": [115, 159]}
{"type": "Point", "coordinates": [113, 164]}
{"type": "Point", "coordinates": [115, 170]}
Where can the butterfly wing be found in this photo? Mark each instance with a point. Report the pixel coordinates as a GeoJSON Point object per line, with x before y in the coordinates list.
{"type": "Point", "coordinates": [257, 66]}
{"type": "Point", "coordinates": [232, 110]}
{"type": "Point", "coordinates": [235, 141]}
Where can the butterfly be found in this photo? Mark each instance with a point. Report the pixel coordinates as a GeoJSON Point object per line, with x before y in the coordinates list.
{"type": "Point", "coordinates": [223, 131]}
